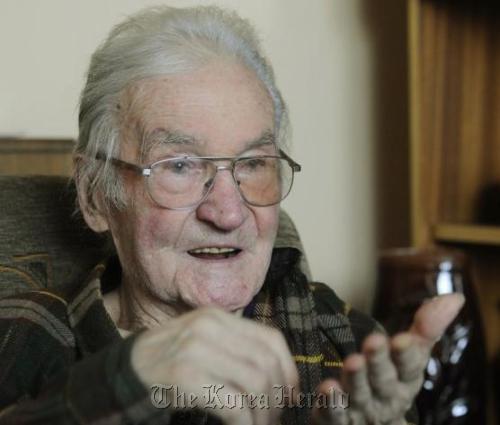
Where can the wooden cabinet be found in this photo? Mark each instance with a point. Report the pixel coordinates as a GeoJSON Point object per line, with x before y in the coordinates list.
{"type": "Point", "coordinates": [454, 55]}
{"type": "Point", "coordinates": [36, 156]}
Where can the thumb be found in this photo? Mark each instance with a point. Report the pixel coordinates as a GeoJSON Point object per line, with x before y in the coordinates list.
{"type": "Point", "coordinates": [434, 316]}
{"type": "Point", "coordinates": [330, 414]}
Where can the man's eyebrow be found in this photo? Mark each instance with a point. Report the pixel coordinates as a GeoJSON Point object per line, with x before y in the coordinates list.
{"type": "Point", "coordinates": [267, 138]}
{"type": "Point", "coordinates": [161, 136]}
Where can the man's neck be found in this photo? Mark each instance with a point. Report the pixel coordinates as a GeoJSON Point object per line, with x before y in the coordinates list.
{"type": "Point", "coordinates": [131, 312]}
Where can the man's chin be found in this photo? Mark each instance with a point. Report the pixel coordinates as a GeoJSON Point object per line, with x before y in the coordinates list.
{"type": "Point", "coordinates": [223, 300]}
{"type": "Point", "coordinates": [228, 306]}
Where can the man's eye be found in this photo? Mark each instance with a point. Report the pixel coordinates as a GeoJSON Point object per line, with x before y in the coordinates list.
{"type": "Point", "coordinates": [179, 166]}
{"type": "Point", "coordinates": [255, 163]}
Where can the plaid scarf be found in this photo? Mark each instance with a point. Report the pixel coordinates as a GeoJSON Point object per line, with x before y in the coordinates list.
{"type": "Point", "coordinates": [286, 302]}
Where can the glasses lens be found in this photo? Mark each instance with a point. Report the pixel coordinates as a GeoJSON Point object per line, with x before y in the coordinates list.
{"type": "Point", "coordinates": [180, 182]}
{"type": "Point", "coordinates": [263, 181]}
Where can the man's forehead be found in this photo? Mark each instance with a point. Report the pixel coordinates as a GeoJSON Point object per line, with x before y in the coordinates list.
{"type": "Point", "coordinates": [215, 107]}
{"type": "Point", "coordinates": [202, 81]}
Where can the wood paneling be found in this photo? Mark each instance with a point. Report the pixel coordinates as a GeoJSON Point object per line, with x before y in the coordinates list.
{"type": "Point", "coordinates": [467, 233]}
{"type": "Point", "coordinates": [36, 156]}
{"type": "Point", "coordinates": [455, 57]}
{"type": "Point", "coordinates": [454, 54]}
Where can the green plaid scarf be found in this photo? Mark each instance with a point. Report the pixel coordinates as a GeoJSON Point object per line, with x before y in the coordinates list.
{"type": "Point", "coordinates": [286, 302]}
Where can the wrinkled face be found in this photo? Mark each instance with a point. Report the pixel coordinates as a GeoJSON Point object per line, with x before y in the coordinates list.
{"type": "Point", "coordinates": [220, 110]}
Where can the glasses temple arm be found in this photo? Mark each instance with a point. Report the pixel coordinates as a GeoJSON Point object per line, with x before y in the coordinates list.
{"type": "Point", "coordinates": [296, 166]}
{"type": "Point", "coordinates": [123, 164]}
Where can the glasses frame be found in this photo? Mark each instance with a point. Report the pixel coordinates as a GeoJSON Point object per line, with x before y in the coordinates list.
{"type": "Point", "coordinates": [148, 169]}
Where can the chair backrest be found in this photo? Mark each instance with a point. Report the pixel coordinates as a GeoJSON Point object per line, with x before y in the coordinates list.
{"type": "Point", "coordinates": [43, 244]}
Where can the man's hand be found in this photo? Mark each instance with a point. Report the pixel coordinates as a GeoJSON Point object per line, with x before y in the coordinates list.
{"type": "Point", "coordinates": [209, 346]}
{"type": "Point", "coordinates": [383, 381]}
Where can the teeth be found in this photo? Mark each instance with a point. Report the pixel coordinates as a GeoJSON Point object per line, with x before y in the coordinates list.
{"type": "Point", "coordinates": [213, 250]}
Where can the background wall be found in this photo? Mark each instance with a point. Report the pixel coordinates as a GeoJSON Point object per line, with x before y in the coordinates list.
{"type": "Point", "coordinates": [341, 67]}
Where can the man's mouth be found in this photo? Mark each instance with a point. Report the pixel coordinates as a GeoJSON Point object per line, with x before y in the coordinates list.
{"type": "Point", "coordinates": [214, 253]}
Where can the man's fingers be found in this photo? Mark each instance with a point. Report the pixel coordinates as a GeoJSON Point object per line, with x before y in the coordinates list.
{"type": "Point", "coordinates": [273, 340]}
{"type": "Point", "coordinates": [260, 345]}
{"type": "Point", "coordinates": [434, 316]}
{"type": "Point", "coordinates": [266, 347]}
{"type": "Point", "coordinates": [355, 381]}
{"type": "Point", "coordinates": [245, 377]}
{"type": "Point", "coordinates": [382, 373]}
{"type": "Point", "coordinates": [381, 387]}
{"type": "Point", "coordinates": [329, 415]}
{"type": "Point", "coordinates": [254, 359]}
{"type": "Point", "coordinates": [229, 415]}
{"type": "Point", "coordinates": [200, 348]}
{"type": "Point", "coordinates": [409, 357]}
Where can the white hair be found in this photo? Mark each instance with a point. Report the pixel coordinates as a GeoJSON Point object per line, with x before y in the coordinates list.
{"type": "Point", "coordinates": [157, 41]}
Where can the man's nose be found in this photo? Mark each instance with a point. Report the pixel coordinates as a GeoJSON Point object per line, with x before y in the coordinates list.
{"type": "Point", "coordinates": [223, 208]}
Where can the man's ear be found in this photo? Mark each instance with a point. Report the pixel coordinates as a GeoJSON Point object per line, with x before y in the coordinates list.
{"type": "Point", "coordinates": [92, 207]}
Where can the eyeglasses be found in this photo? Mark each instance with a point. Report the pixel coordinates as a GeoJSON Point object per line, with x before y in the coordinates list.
{"type": "Point", "coordinates": [184, 182]}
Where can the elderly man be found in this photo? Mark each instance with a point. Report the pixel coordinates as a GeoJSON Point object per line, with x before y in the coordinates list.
{"type": "Point", "coordinates": [180, 157]}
